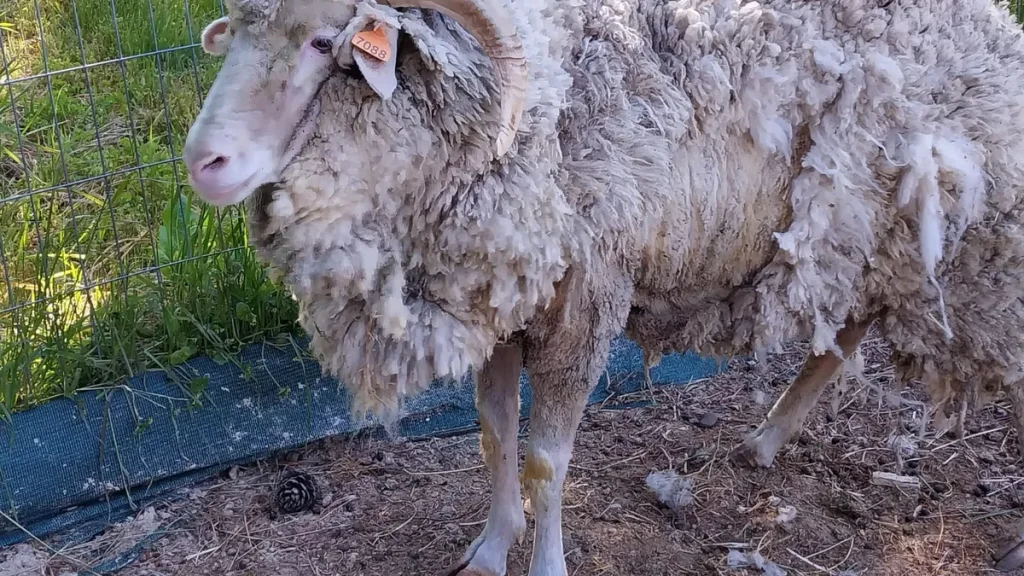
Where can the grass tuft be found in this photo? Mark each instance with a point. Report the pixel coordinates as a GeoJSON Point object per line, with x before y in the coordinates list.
{"type": "Point", "coordinates": [108, 267]}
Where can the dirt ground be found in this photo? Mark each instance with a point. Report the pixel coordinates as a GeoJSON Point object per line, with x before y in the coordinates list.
{"type": "Point", "coordinates": [411, 508]}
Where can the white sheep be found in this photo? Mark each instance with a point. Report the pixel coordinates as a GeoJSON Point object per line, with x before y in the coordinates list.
{"type": "Point", "coordinates": [514, 183]}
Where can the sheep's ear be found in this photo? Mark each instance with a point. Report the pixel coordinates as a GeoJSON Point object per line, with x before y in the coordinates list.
{"type": "Point", "coordinates": [374, 49]}
{"type": "Point", "coordinates": [217, 36]}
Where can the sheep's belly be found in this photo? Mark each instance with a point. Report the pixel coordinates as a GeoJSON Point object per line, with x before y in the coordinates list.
{"type": "Point", "coordinates": [715, 322]}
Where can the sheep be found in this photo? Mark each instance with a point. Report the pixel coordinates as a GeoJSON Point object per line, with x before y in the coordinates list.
{"type": "Point", "coordinates": [454, 187]}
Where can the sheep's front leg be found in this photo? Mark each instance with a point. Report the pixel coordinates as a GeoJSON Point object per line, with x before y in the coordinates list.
{"type": "Point", "coordinates": [497, 402]}
{"type": "Point", "coordinates": [787, 416]}
{"type": "Point", "coordinates": [565, 357]}
{"type": "Point", "coordinates": [559, 399]}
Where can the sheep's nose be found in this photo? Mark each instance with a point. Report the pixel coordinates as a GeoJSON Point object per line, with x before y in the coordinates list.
{"type": "Point", "coordinates": [212, 173]}
{"type": "Point", "coordinates": [207, 166]}
{"type": "Point", "coordinates": [219, 166]}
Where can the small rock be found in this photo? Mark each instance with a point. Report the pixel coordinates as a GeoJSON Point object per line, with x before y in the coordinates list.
{"type": "Point", "coordinates": [708, 420]}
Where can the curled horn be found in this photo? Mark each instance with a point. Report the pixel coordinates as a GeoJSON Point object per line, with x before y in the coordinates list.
{"type": "Point", "coordinates": [493, 28]}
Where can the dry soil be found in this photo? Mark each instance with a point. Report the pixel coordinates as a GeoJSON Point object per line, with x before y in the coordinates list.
{"type": "Point", "coordinates": [410, 508]}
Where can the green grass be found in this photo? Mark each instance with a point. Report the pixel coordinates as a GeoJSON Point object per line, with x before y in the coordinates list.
{"type": "Point", "coordinates": [67, 321]}
{"type": "Point", "coordinates": [82, 305]}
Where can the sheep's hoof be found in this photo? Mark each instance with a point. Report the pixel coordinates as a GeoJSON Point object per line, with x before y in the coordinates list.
{"type": "Point", "coordinates": [463, 569]}
{"type": "Point", "coordinates": [760, 447]}
{"type": "Point", "coordinates": [1011, 556]}
{"type": "Point", "coordinates": [745, 455]}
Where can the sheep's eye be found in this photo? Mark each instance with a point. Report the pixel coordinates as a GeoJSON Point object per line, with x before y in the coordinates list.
{"type": "Point", "coordinates": [322, 45]}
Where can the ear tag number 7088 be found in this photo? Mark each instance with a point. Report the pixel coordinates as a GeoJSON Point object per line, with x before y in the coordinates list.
{"type": "Point", "coordinates": [373, 42]}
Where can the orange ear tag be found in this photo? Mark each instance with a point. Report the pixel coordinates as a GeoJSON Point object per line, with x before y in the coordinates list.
{"type": "Point", "coordinates": [374, 43]}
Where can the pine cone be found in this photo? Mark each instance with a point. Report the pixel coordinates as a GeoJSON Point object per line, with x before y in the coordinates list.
{"type": "Point", "coordinates": [296, 492]}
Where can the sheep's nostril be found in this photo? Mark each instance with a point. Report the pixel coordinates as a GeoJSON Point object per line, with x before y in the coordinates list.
{"type": "Point", "coordinates": [215, 164]}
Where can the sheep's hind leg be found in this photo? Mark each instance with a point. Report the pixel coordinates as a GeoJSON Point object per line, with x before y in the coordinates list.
{"type": "Point", "coordinates": [1010, 557]}
{"type": "Point", "coordinates": [787, 416]}
{"type": "Point", "coordinates": [497, 401]}
{"type": "Point", "coordinates": [1015, 393]}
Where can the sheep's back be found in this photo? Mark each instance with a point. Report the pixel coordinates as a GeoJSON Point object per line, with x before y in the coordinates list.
{"type": "Point", "coordinates": [693, 174]}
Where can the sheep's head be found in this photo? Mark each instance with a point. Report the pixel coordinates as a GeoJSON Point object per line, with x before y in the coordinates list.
{"type": "Point", "coordinates": [264, 103]}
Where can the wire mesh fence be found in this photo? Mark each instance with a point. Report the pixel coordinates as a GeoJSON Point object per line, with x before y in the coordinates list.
{"type": "Point", "coordinates": [108, 265]}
